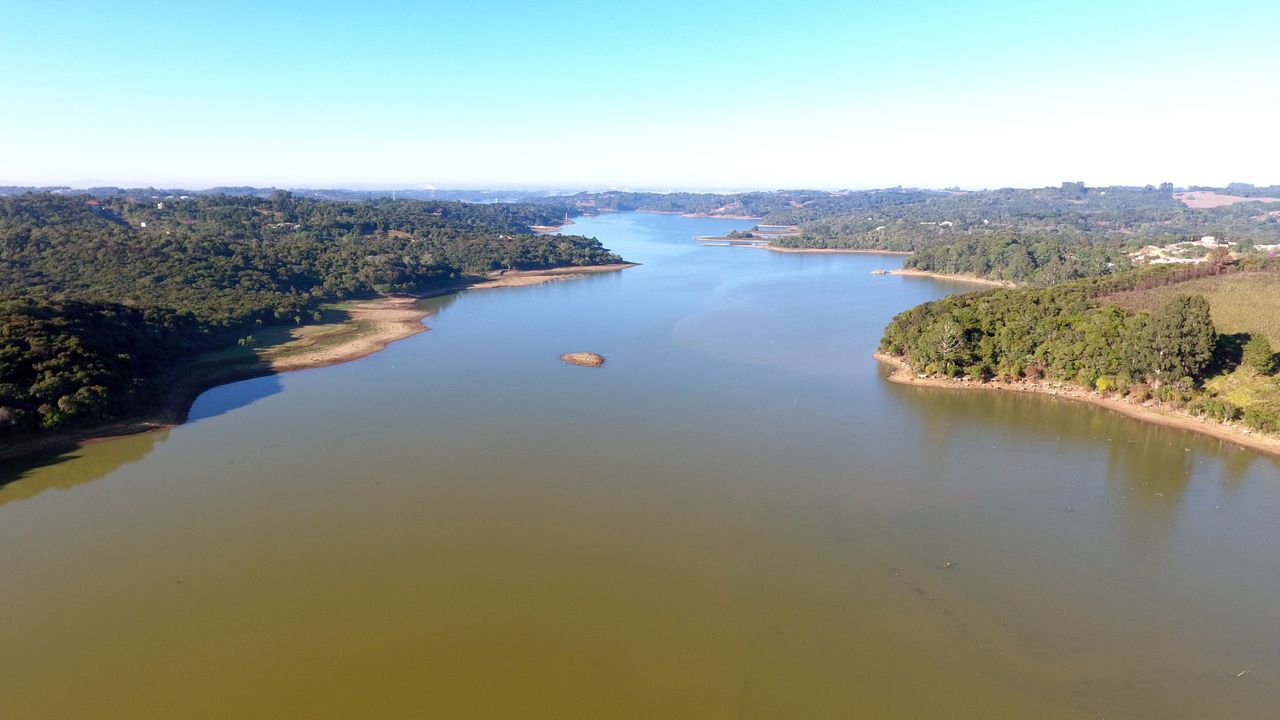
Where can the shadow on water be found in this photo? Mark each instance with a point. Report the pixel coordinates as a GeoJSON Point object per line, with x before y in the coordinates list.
{"type": "Point", "coordinates": [26, 478]}
{"type": "Point", "coordinates": [1147, 478]}
{"type": "Point", "coordinates": [1149, 468]}
{"type": "Point", "coordinates": [95, 460]}
{"type": "Point", "coordinates": [225, 398]}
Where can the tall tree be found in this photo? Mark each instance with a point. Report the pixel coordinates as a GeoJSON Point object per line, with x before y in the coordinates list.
{"type": "Point", "coordinates": [1177, 340]}
{"type": "Point", "coordinates": [1258, 354]}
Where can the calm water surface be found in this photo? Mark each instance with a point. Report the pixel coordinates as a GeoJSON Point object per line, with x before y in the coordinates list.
{"type": "Point", "coordinates": [736, 517]}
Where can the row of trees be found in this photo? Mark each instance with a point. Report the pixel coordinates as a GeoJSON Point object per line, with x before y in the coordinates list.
{"type": "Point", "coordinates": [1117, 218]}
{"type": "Point", "coordinates": [1036, 260]}
{"type": "Point", "coordinates": [63, 362]}
{"type": "Point", "coordinates": [1058, 335]}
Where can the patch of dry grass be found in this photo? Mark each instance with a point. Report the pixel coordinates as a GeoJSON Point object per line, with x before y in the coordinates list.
{"type": "Point", "coordinates": [1246, 302]}
{"type": "Point", "coordinates": [1245, 387]}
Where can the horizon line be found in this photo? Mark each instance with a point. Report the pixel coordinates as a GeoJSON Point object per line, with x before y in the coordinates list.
{"type": "Point", "coordinates": [588, 188]}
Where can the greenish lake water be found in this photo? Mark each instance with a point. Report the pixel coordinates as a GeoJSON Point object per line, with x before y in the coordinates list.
{"type": "Point", "coordinates": [735, 517]}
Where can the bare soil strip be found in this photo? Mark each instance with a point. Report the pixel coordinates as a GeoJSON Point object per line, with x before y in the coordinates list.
{"type": "Point", "coordinates": [851, 251]}
{"type": "Point", "coordinates": [374, 324]}
{"type": "Point", "coordinates": [962, 278]}
{"type": "Point", "coordinates": [1200, 199]}
{"type": "Point", "coordinates": [521, 278]}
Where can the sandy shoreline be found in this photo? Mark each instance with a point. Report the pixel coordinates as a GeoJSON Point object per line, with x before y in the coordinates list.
{"type": "Point", "coordinates": [389, 319]}
{"type": "Point", "coordinates": [521, 278]}
{"type": "Point", "coordinates": [545, 229]}
{"type": "Point", "coordinates": [851, 251]}
{"type": "Point", "coordinates": [960, 278]}
{"type": "Point", "coordinates": [904, 375]}
{"type": "Point", "coordinates": [700, 215]}
{"type": "Point", "coordinates": [372, 325]}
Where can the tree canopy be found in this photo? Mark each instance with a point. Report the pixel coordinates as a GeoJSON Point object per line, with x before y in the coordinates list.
{"type": "Point", "coordinates": [100, 295]}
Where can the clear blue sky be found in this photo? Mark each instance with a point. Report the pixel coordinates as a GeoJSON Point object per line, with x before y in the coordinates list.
{"type": "Point", "coordinates": [656, 95]}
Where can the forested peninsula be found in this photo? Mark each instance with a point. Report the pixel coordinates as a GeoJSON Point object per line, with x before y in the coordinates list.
{"type": "Point", "coordinates": [1188, 341]}
{"type": "Point", "coordinates": [1035, 236]}
{"type": "Point", "coordinates": [106, 299]}
{"type": "Point", "coordinates": [111, 299]}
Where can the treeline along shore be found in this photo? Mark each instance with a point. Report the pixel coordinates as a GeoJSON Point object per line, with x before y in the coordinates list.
{"type": "Point", "coordinates": [1031, 236]}
{"type": "Point", "coordinates": [115, 312]}
{"type": "Point", "coordinates": [1156, 301]}
{"type": "Point", "coordinates": [114, 302]}
{"type": "Point", "coordinates": [1173, 345]}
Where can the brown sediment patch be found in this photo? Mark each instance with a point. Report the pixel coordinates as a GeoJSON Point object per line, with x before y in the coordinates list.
{"type": "Point", "coordinates": [721, 217]}
{"type": "Point", "coordinates": [960, 278]}
{"type": "Point", "coordinates": [377, 323]}
{"type": "Point", "coordinates": [722, 240]}
{"type": "Point", "coordinates": [1200, 199]}
{"type": "Point", "coordinates": [550, 228]}
{"type": "Point", "coordinates": [520, 278]}
{"type": "Point", "coordinates": [700, 215]}
{"type": "Point", "coordinates": [584, 359]}
{"type": "Point", "coordinates": [1168, 417]}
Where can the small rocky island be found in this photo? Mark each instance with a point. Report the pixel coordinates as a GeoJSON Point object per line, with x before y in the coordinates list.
{"type": "Point", "coordinates": [585, 359]}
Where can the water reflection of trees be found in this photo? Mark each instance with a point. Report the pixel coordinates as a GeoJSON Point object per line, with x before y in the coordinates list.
{"type": "Point", "coordinates": [1149, 467]}
{"type": "Point", "coordinates": [1148, 473]}
{"type": "Point", "coordinates": [28, 478]}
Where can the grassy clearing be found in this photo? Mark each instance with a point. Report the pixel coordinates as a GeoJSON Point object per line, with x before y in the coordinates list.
{"type": "Point", "coordinates": [1247, 302]}
{"type": "Point", "coordinates": [275, 342]}
{"type": "Point", "coordinates": [1245, 387]}
{"type": "Point", "coordinates": [1243, 302]}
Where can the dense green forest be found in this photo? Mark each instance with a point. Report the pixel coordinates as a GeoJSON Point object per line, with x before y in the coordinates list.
{"type": "Point", "coordinates": [1118, 217]}
{"type": "Point", "coordinates": [101, 292]}
{"type": "Point", "coordinates": [1040, 235]}
{"type": "Point", "coordinates": [899, 219]}
{"type": "Point", "coordinates": [1022, 259]}
{"type": "Point", "coordinates": [98, 296]}
{"type": "Point", "coordinates": [753, 204]}
{"type": "Point", "coordinates": [782, 207]}
{"type": "Point", "coordinates": [1070, 332]}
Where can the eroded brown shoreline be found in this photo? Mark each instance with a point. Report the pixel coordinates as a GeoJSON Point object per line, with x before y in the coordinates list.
{"type": "Point", "coordinates": [956, 277]}
{"type": "Point", "coordinates": [700, 215]}
{"type": "Point", "coordinates": [833, 251]}
{"type": "Point", "coordinates": [373, 325]}
{"type": "Point", "coordinates": [904, 375]}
